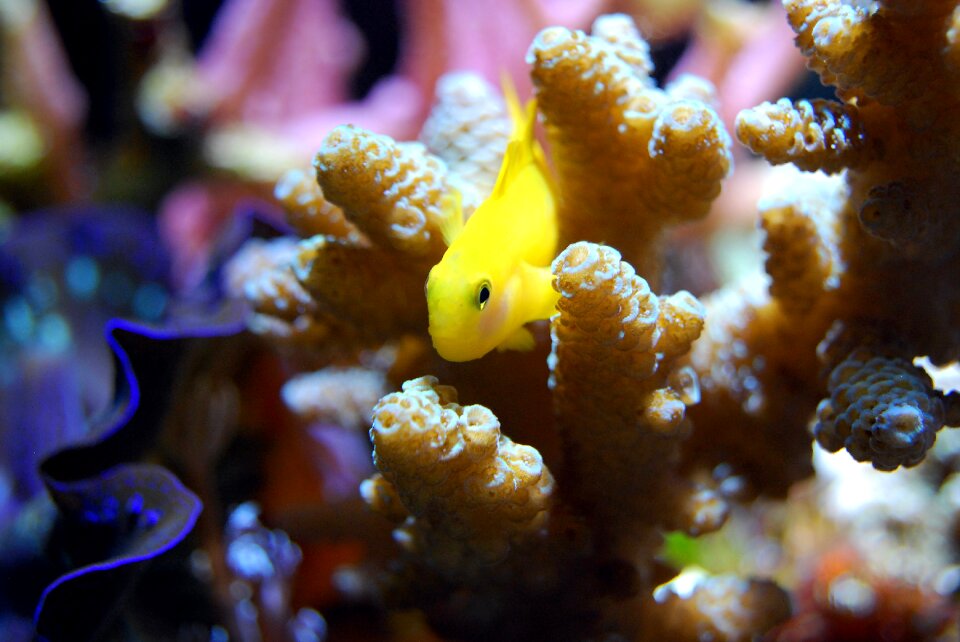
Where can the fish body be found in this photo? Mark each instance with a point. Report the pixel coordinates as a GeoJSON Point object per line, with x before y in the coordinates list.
{"type": "Point", "coordinates": [495, 275]}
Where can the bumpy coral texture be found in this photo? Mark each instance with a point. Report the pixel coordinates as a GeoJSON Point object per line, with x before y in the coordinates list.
{"type": "Point", "coordinates": [477, 515]}
{"type": "Point", "coordinates": [622, 424]}
{"type": "Point", "coordinates": [631, 159]}
{"type": "Point", "coordinates": [881, 409]}
{"type": "Point", "coordinates": [470, 492]}
{"type": "Point", "coordinates": [308, 212]}
{"type": "Point", "coordinates": [800, 243]}
{"type": "Point", "coordinates": [813, 134]}
{"type": "Point", "coordinates": [873, 252]}
{"type": "Point", "coordinates": [391, 193]}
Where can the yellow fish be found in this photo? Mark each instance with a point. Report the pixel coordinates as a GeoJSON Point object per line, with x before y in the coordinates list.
{"type": "Point", "coordinates": [495, 275]}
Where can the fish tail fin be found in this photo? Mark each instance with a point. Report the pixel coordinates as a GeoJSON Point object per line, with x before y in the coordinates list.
{"type": "Point", "coordinates": [451, 221]}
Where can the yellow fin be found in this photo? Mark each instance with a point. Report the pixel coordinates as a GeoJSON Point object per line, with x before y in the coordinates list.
{"type": "Point", "coordinates": [451, 223]}
{"type": "Point", "coordinates": [522, 150]}
{"type": "Point", "coordinates": [539, 294]}
{"type": "Point", "coordinates": [509, 91]}
{"type": "Point", "coordinates": [521, 340]}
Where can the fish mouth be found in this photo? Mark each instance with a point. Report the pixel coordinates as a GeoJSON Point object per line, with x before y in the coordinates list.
{"type": "Point", "coordinates": [452, 348]}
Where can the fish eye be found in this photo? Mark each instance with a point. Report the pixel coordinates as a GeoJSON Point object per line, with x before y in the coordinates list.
{"type": "Point", "coordinates": [483, 294]}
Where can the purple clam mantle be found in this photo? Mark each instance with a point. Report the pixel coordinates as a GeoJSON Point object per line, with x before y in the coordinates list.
{"type": "Point", "coordinates": [117, 514]}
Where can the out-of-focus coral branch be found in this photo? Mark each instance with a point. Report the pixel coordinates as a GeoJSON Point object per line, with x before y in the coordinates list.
{"type": "Point", "coordinates": [720, 607]}
{"type": "Point", "coordinates": [468, 129]}
{"type": "Point", "coordinates": [339, 396]}
{"type": "Point", "coordinates": [261, 273]}
{"type": "Point", "coordinates": [308, 212]}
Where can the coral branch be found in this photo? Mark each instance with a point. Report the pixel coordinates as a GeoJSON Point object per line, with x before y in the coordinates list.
{"type": "Point", "coordinates": [811, 134]}
{"type": "Point", "coordinates": [631, 158]}
{"type": "Point", "coordinates": [471, 492]}
{"type": "Point", "coordinates": [308, 212]}
{"type": "Point", "coordinates": [468, 129]}
{"type": "Point", "coordinates": [619, 398]}
{"type": "Point", "coordinates": [391, 191]}
{"type": "Point", "coordinates": [881, 409]}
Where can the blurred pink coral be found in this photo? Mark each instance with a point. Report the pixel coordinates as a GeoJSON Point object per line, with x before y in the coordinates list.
{"type": "Point", "coordinates": [253, 65]}
{"type": "Point", "coordinates": [37, 79]}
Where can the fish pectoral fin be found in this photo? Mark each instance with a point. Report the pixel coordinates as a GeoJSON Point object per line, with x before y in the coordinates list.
{"type": "Point", "coordinates": [539, 294]}
{"type": "Point", "coordinates": [522, 339]}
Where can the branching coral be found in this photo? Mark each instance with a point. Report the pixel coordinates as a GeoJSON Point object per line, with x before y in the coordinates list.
{"type": "Point", "coordinates": [631, 158]}
{"type": "Point", "coordinates": [860, 261]}
{"type": "Point", "coordinates": [468, 129]}
{"type": "Point", "coordinates": [639, 413]}
{"type": "Point", "coordinates": [472, 506]}
{"type": "Point", "coordinates": [623, 423]}
{"type": "Point", "coordinates": [261, 274]}
{"type": "Point", "coordinates": [339, 396]}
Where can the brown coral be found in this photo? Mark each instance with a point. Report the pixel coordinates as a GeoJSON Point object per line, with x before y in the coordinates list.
{"type": "Point", "coordinates": [471, 493]}
{"type": "Point", "coordinates": [261, 273]}
{"type": "Point", "coordinates": [371, 223]}
{"type": "Point", "coordinates": [870, 252]}
{"type": "Point", "coordinates": [308, 212]}
{"type": "Point", "coordinates": [811, 134]}
{"type": "Point", "coordinates": [391, 193]}
{"type": "Point", "coordinates": [800, 243]}
{"type": "Point", "coordinates": [631, 159]}
{"type": "Point", "coordinates": [619, 397]}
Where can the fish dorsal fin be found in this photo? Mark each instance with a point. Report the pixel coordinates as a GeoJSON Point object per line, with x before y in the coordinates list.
{"type": "Point", "coordinates": [509, 91]}
{"type": "Point", "coordinates": [451, 221]}
{"type": "Point", "coordinates": [522, 148]}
